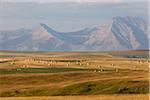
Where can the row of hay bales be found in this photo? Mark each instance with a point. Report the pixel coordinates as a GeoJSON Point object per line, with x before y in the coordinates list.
{"type": "Point", "coordinates": [78, 62]}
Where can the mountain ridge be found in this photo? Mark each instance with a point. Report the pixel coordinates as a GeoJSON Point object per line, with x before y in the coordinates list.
{"type": "Point", "coordinates": [122, 33]}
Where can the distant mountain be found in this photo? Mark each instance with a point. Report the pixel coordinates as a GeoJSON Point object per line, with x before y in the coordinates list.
{"type": "Point", "coordinates": [121, 33]}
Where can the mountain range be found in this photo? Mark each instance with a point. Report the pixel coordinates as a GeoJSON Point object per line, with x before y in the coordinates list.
{"type": "Point", "coordinates": [121, 33]}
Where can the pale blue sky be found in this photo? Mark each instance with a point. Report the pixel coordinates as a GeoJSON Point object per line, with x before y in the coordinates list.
{"type": "Point", "coordinates": [64, 15]}
{"type": "Point", "coordinates": [78, 1]}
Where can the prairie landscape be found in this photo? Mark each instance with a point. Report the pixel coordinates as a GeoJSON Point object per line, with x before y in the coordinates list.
{"type": "Point", "coordinates": [117, 75]}
{"type": "Point", "coordinates": [74, 50]}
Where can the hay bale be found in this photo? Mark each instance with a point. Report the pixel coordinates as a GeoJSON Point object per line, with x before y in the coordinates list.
{"type": "Point", "coordinates": [95, 71]}
{"type": "Point", "coordinates": [117, 70]}
{"type": "Point", "coordinates": [12, 63]}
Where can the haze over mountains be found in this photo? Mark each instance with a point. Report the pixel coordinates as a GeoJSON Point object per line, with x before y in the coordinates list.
{"type": "Point", "coordinates": [121, 33]}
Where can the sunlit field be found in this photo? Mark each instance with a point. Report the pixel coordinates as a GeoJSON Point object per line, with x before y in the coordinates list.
{"type": "Point", "coordinates": [121, 75]}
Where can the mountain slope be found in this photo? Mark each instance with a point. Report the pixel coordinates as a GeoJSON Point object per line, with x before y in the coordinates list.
{"type": "Point", "coordinates": [132, 32]}
{"type": "Point", "coordinates": [122, 33]}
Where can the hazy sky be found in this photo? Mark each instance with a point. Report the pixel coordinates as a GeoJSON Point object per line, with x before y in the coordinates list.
{"type": "Point", "coordinates": [78, 1]}
{"type": "Point", "coordinates": [66, 15]}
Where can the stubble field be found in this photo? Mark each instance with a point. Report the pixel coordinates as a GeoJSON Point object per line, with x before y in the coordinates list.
{"type": "Point", "coordinates": [122, 75]}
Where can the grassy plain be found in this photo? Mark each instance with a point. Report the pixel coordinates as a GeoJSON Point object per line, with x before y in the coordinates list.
{"type": "Point", "coordinates": [73, 75]}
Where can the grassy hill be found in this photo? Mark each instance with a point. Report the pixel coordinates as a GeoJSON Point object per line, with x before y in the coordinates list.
{"type": "Point", "coordinates": [73, 73]}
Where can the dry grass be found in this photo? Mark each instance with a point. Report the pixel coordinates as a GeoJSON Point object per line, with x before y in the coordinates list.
{"type": "Point", "coordinates": [45, 82]}
{"type": "Point", "coordinates": [94, 97]}
{"type": "Point", "coordinates": [103, 59]}
{"type": "Point", "coordinates": [136, 76]}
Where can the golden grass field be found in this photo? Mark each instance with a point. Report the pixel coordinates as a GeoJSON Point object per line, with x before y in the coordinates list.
{"type": "Point", "coordinates": [122, 75]}
{"type": "Point", "coordinates": [93, 97]}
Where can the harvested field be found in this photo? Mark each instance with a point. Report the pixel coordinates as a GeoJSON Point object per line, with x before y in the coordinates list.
{"type": "Point", "coordinates": [74, 75]}
{"type": "Point", "coordinates": [93, 97]}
